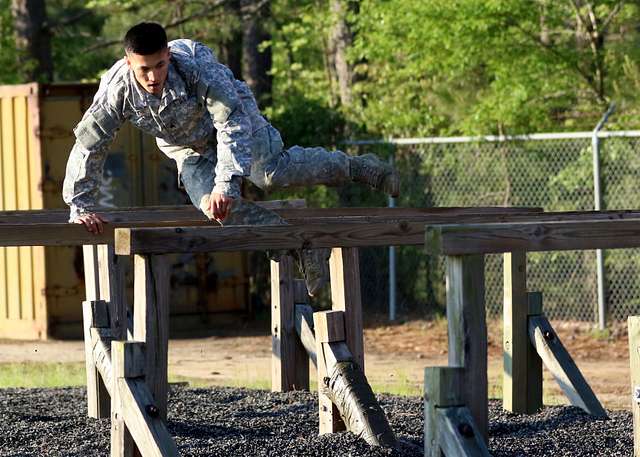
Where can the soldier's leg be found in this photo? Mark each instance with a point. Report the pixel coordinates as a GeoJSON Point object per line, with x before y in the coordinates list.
{"type": "Point", "coordinates": [198, 178]}
{"type": "Point", "coordinates": [276, 167]}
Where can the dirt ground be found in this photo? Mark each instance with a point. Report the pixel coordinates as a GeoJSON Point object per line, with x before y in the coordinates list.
{"type": "Point", "coordinates": [395, 357]}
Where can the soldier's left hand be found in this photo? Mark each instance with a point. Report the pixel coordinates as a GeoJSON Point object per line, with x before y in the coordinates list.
{"type": "Point", "coordinates": [219, 206]}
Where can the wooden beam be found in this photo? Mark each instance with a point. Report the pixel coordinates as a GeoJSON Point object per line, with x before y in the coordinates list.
{"type": "Point", "coordinates": [286, 350]}
{"type": "Point", "coordinates": [137, 406]}
{"type": "Point", "coordinates": [305, 331]}
{"type": "Point", "coordinates": [331, 326]}
{"type": "Point", "coordinates": [328, 414]}
{"type": "Point", "coordinates": [515, 339]}
{"type": "Point", "coordinates": [532, 236]}
{"type": "Point", "coordinates": [151, 322]}
{"type": "Point", "coordinates": [111, 274]}
{"type": "Point", "coordinates": [633, 323]}
{"type": "Point", "coordinates": [442, 388]}
{"type": "Point", "coordinates": [459, 435]}
{"type": "Point", "coordinates": [344, 270]}
{"type": "Point", "coordinates": [534, 362]}
{"type": "Point", "coordinates": [94, 314]}
{"type": "Point", "coordinates": [468, 332]}
{"type": "Point", "coordinates": [558, 361]}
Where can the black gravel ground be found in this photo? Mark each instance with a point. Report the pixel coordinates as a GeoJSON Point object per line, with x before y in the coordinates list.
{"type": "Point", "coordinates": [240, 422]}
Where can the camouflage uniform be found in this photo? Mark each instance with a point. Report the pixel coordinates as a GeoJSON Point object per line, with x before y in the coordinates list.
{"type": "Point", "coordinates": [200, 99]}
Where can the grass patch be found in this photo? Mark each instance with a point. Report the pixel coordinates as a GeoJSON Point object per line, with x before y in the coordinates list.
{"type": "Point", "coordinates": [32, 374]}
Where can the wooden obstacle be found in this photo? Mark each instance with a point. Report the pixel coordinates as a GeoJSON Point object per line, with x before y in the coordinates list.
{"type": "Point", "coordinates": [634, 364]}
{"type": "Point", "coordinates": [343, 230]}
{"type": "Point", "coordinates": [529, 339]}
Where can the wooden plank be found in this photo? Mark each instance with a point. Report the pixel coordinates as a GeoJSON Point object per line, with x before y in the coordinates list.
{"type": "Point", "coordinates": [331, 327]}
{"type": "Point", "coordinates": [4, 304]}
{"type": "Point", "coordinates": [151, 322]}
{"type": "Point", "coordinates": [111, 274]}
{"type": "Point", "coordinates": [328, 414]}
{"type": "Point", "coordinates": [515, 339]}
{"type": "Point", "coordinates": [633, 323]}
{"type": "Point", "coordinates": [532, 236]}
{"type": "Point", "coordinates": [91, 272]}
{"type": "Point", "coordinates": [534, 362]}
{"type": "Point", "coordinates": [442, 388]}
{"type": "Point", "coordinates": [98, 399]}
{"type": "Point", "coordinates": [101, 339]}
{"type": "Point", "coordinates": [468, 331]}
{"type": "Point", "coordinates": [459, 436]}
{"type": "Point", "coordinates": [304, 329]}
{"type": "Point", "coordinates": [345, 296]}
{"type": "Point", "coordinates": [285, 348]}
{"type": "Point", "coordinates": [558, 361]}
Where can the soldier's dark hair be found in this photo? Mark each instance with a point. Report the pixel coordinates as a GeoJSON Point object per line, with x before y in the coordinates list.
{"type": "Point", "coordinates": [145, 38]}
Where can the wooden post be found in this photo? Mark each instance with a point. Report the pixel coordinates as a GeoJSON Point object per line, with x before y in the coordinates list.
{"type": "Point", "coordinates": [442, 388]}
{"type": "Point", "coordinates": [302, 356]}
{"type": "Point", "coordinates": [468, 332]}
{"type": "Point", "coordinates": [515, 337]}
{"type": "Point", "coordinates": [94, 314]}
{"type": "Point", "coordinates": [345, 296]}
{"type": "Point", "coordinates": [151, 322]}
{"type": "Point", "coordinates": [634, 362]}
{"type": "Point", "coordinates": [122, 444]}
{"type": "Point", "coordinates": [324, 324]}
{"type": "Point", "coordinates": [534, 362]}
{"type": "Point", "coordinates": [449, 428]}
{"type": "Point", "coordinates": [111, 275]}
{"type": "Point", "coordinates": [288, 356]}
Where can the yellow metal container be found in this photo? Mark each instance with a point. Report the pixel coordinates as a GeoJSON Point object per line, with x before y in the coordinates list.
{"type": "Point", "coordinates": [41, 289]}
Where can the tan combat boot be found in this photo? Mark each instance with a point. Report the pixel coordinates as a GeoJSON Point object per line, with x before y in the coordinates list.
{"type": "Point", "coordinates": [369, 169]}
{"type": "Point", "coordinates": [314, 264]}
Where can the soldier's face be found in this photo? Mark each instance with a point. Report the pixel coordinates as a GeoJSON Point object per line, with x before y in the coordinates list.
{"type": "Point", "coordinates": [150, 70]}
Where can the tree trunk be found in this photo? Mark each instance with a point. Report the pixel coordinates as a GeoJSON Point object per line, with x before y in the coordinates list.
{"type": "Point", "coordinates": [33, 39]}
{"type": "Point", "coordinates": [256, 63]}
{"type": "Point", "coordinates": [340, 39]}
{"type": "Point", "coordinates": [231, 47]}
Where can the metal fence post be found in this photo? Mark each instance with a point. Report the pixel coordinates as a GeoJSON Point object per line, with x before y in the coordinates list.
{"type": "Point", "coordinates": [392, 257]}
{"type": "Point", "coordinates": [597, 197]}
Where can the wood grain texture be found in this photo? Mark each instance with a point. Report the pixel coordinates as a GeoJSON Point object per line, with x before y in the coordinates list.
{"type": "Point", "coordinates": [442, 388]}
{"type": "Point", "coordinates": [515, 339]}
{"type": "Point", "coordinates": [344, 269]}
{"type": "Point", "coordinates": [286, 349]}
{"type": "Point", "coordinates": [460, 239]}
{"type": "Point", "coordinates": [305, 331]}
{"type": "Point", "coordinates": [558, 361]}
{"type": "Point", "coordinates": [468, 332]}
{"type": "Point", "coordinates": [452, 441]}
{"type": "Point", "coordinates": [151, 322]}
{"type": "Point", "coordinates": [98, 399]}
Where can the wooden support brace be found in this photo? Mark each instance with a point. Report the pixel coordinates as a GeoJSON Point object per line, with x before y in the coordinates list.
{"type": "Point", "coordinates": [305, 331]}
{"type": "Point", "coordinates": [289, 359]}
{"type": "Point", "coordinates": [468, 332]}
{"type": "Point", "coordinates": [95, 315]}
{"type": "Point", "coordinates": [330, 421]}
{"type": "Point", "coordinates": [151, 322]}
{"type": "Point", "coordinates": [345, 296]}
{"type": "Point", "coordinates": [449, 428]}
{"type": "Point", "coordinates": [634, 364]}
{"type": "Point", "coordinates": [136, 423]}
{"type": "Point", "coordinates": [558, 361]}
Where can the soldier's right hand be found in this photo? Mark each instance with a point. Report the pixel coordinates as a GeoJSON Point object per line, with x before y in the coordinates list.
{"type": "Point", "coordinates": [92, 222]}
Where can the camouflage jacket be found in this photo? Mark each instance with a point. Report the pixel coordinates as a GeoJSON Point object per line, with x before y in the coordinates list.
{"type": "Point", "coordinates": [200, 96]}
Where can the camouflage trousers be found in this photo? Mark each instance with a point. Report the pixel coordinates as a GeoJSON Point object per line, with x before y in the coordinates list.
{"type": "Point", "coordinates": [272, 167]}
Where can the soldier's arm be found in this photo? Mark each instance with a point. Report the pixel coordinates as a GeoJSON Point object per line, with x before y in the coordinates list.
{"type": "Point", "coordinates": [94, 135]}
{"type": "Point", "coordinates": [232, 123]}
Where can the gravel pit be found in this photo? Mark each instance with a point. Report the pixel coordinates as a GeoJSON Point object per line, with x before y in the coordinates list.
{"type": "Point", "coordinates": [240, 422]}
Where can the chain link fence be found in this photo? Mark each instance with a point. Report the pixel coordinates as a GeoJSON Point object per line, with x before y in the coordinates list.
{"type": "Point", "coordinates": [553, 171]}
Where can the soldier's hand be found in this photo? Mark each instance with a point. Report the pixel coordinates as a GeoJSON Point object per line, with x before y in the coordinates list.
{"type": "Point", "coordinates": [219, 206]}
{"type": "Point", "coordinates": [92, 222]}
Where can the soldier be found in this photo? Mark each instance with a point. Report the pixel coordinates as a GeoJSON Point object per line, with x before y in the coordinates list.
{"type": "Point", "coordinates": [209, 124]}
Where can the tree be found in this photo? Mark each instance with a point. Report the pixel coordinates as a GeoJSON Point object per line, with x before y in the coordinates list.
{"type": "Point", "coordinates": [33, 39]}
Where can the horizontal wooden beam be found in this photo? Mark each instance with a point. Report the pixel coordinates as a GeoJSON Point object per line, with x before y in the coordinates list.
{"type": "Point", "coordinates": [256, 238]}
{"type": "Point", "coordinates": [461, 239]}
